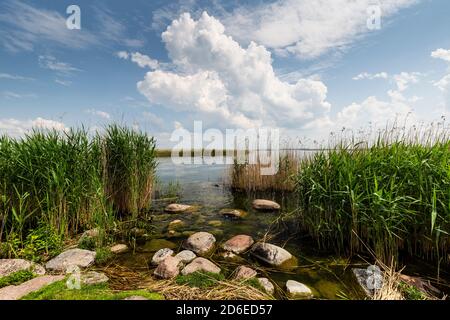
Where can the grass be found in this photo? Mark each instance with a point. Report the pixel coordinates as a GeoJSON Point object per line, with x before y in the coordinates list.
{"type": "Point", "coordinates": [200, 279]}
{"type": "Point", "coordinates": [392, 194]}
{"type": "Point", "coordinates": [103, 255]}
{"type": "Point", "coordinates": [71, 181]}
{"type": "Point", "coordinates": [16, 278]}
{"type": "Point", "coordinates": [59, 291]}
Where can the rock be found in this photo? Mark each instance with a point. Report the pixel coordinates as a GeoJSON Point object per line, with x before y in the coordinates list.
{"type": "Point", "coordinates": [93, 277]}
{"type": "Point", "coordinates": [160, 255]}
{"type": "Point", "coordinates": [200, 242]}
{"type": "Point", "coordinates": [261, 204]}
{"type": "Point", "coordinates": [243, 272]}
{"type": "Point", "coordinates": [238, 244]}
{"type": "Point", "coordinates": [215, 223]}
{"type": "Point", "coordinates": [73, 257]}
{"type": "Point", "coordinates": [168, 268]}
{"type": "Point", "coordinates": [368, 278]}
{"type": "Point", "coordinates": [270, 253]}
{"type": "Point", "coordinates": [175, 224]}
{"type": "Point", "coordinates": [92, 233]}
{"type": "Point", "coordinates": [175, 208]}
{"type": "Point", "coordinates": [233, 213]}
{"type": "Point", "coordinates": [135, 298]}
{"type": "Point", "coordinates": [228, 255]}
{"type": "Point", "coordinates": [119, 248]}
{"type": "Point", "coordinates": [157, 244]}
{"type": "Point", "coordinates": [200, 264]}
{"type": "Point", "coordinates": [298, 290]}
{"type": "Point", "coordinates": [8, 266]}
{"type": "Point", "coordinates": [137, 232]}
{"type": "Point", "coordinates": [186, 256]}
{"type": "Point", "coordinates": [267, 285]}
{"type": "Point", "coordinates": [21, 290]}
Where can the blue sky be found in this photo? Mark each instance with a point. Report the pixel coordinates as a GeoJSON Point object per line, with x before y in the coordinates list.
{"type": "Point", "coordinates": [305, 67]}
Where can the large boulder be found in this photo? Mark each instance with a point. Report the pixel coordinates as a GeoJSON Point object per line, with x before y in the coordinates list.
{"type": "Point", "coordinates": [200, 242]}
{"type": "Point", "coordinates": [72, 257]}
{"type": "Point", "coordinates": [21, 290]}
{"type": "Point", "coordinates": [270, 253]}
{"type": "Point", "coordinates": [233, 213]}
{"type": "Point", "coordinates": [176, 208]}
{"type": "Point", "coordinates": [160, 255]}
{"type": "Point", "coordinates": [267, 285]}
{"type": "Point", "coordinates": [238, 244]}
{"type": "Point", "coordinates": [265, 205]}
{"type": "Point", "coordinates": [243, 273]}
{"type": "Point", "coordinates": [168, 268]}
{"type": "Point", "coordinates": [200, 264]}
{"type": "Point", "coordinates": [9, 266]}
{"type": "Point", "coordinates": [297, 290]}
{"type": "Point", "coordinates": [186, 256]}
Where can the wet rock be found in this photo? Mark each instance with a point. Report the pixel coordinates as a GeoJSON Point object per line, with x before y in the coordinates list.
{"type": "Point", "coordinates": [93, 277]}
{"type": "Point", "coordinates": [135, 298]}
{"type": "Point", "coordinates": [119, 248]}
{"type": "Point", "coordinates": [175, 224]}
{"type": "Point", "coordinates": [268, 205]}
{"type": "Point", "coordinates": [233, 213]}
{"type": "Point", "coordinates": [160, 255]}
{"type": "Point", "coordinates": [243, 272]}
{"type": "Point", "coordinates": [200, 264]}
{"type": "Point", "coordinates": [238, 244]}
{"type": "Point", "coordinates": [267, 285]}
{"type": "Point", "coordinates": [21, 290]}
{"type": "Point", "coordinates": [215, 223]}
{"type": "Point", "coordinates": [270, 253]}
{"type": "Point", "coordinates": [176, 208]}
{"type": "Point", "coordinates": [73, 257]}
{"type": "Point", "coordinates": [297, 290]}
{"type": "Point", "coordinates": [8, 266]}
{"type": "Point", "coordinates": [187, 233]}
{"type": "Point", "coordinates": [168, 268]}
{"type": "Point", "coordinates": [157, 244]}
{"type": "Point", "coordinates": [185, 256]}
{"type": "Point", "coordinates": [200, 242]}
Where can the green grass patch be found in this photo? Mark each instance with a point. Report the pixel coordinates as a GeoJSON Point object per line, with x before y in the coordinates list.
{"type": "Point", "coordinates": [59, 291]}
{"type": "Point", "coordinates": [103, 255]}
{"type": "Point", "coordinates": [16, 278]}
{"type": "Point", "coordinates": [200, 279]}
{"type": "Point", "coordinates": [411, 292]}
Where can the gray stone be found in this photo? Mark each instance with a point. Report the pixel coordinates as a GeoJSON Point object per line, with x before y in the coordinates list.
{"type": "Point", "coordinates": [267, 285]}
{"type": "Point", "coordinates": [238, 244]}
{"type": "Point", "coordinates": [261, 204]}
{"type": "Point", "coordinates": [270, 253]}
{"type": "Point", "coordinates": [93, 277]}
{"type": "Point", "coordinates": [200, 242]}
{"type": "Point", "coordinates": [119, 248]}
{"type": "Point", "coordinates": [73, 257]}
{"type": "Point", "coordinates": [21, 290]}
{"type": "Point", "coordinates": [186, 256]}
{"type": "Point", "coordinates": [160, 255]}
{"type": "Point", "coordinates": [298, 290]}
{"type": "Point", "coordinates": [243, 272]}
{"type": "Point", "coordinates": [233, 213]}
{"type": "Point", "coordinates": [368, 279]}
{"type": "Point", "coordinates": [200, 264]}
{"type": "Point", "coordinates": [9, 266]}
{"type": "Point", "coordinates": [176, 208]}
{"type": "Point", "coordinates": [168, 268]}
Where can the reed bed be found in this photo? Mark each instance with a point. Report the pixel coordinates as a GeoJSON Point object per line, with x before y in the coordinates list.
{"type": "Point", "coordinates": [391, 193]}
{"type": "Point", "coordinates": [70, 181]}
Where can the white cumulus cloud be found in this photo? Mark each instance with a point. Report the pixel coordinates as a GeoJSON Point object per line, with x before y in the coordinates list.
{"type": "Point", "coordinates": [16, 128]}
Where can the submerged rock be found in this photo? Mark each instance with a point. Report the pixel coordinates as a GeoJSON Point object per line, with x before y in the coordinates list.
{"type": "Point", "coordinates": [297, 290]}
{"type": "Point", "coordinates": [215, 223]}
{"type": "Point", "coordinates": [261, 204]}
{"type": "Point", "coordinates": [9, 266]}
{"type": "Point", "coordinates": [119, 248]}
{"type": "Point", "coordinates": [93, 277]}
{"type": "Point", "coordinates": [157, 244]}
{"type": "Point", "coordinates": [200, 264]}
{"type": "Point", "coordinates": [186, 256]}
{"type": "Point", "coordinates": [72, 257]}
{"type": "Point", "coordinates": [175, 208]}
{"type": "Point", "coordinates": [21, 290]}
{"type": "Point", "coordinates": [243, 272]}
{"type": "Point", "coordinates": [175, 224]}
{"type": "Point", "coordinates": [200, 242]}
{"type": "Point", "coordinates": [270, 253]}
{"type": "Point", "coordinates": [168, 268]}
{"type": "Point", "coordinates": [238, 244]}
{"type": "Point", "coordinates": [267, 285]}
{"type": "Point", "coordinates": [233, 213]}
{"type": "Point", "coordinates": [160, 255]}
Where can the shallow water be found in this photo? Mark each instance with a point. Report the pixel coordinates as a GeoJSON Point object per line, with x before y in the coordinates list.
{"type": "Point", "coordinates": [203, 186]}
